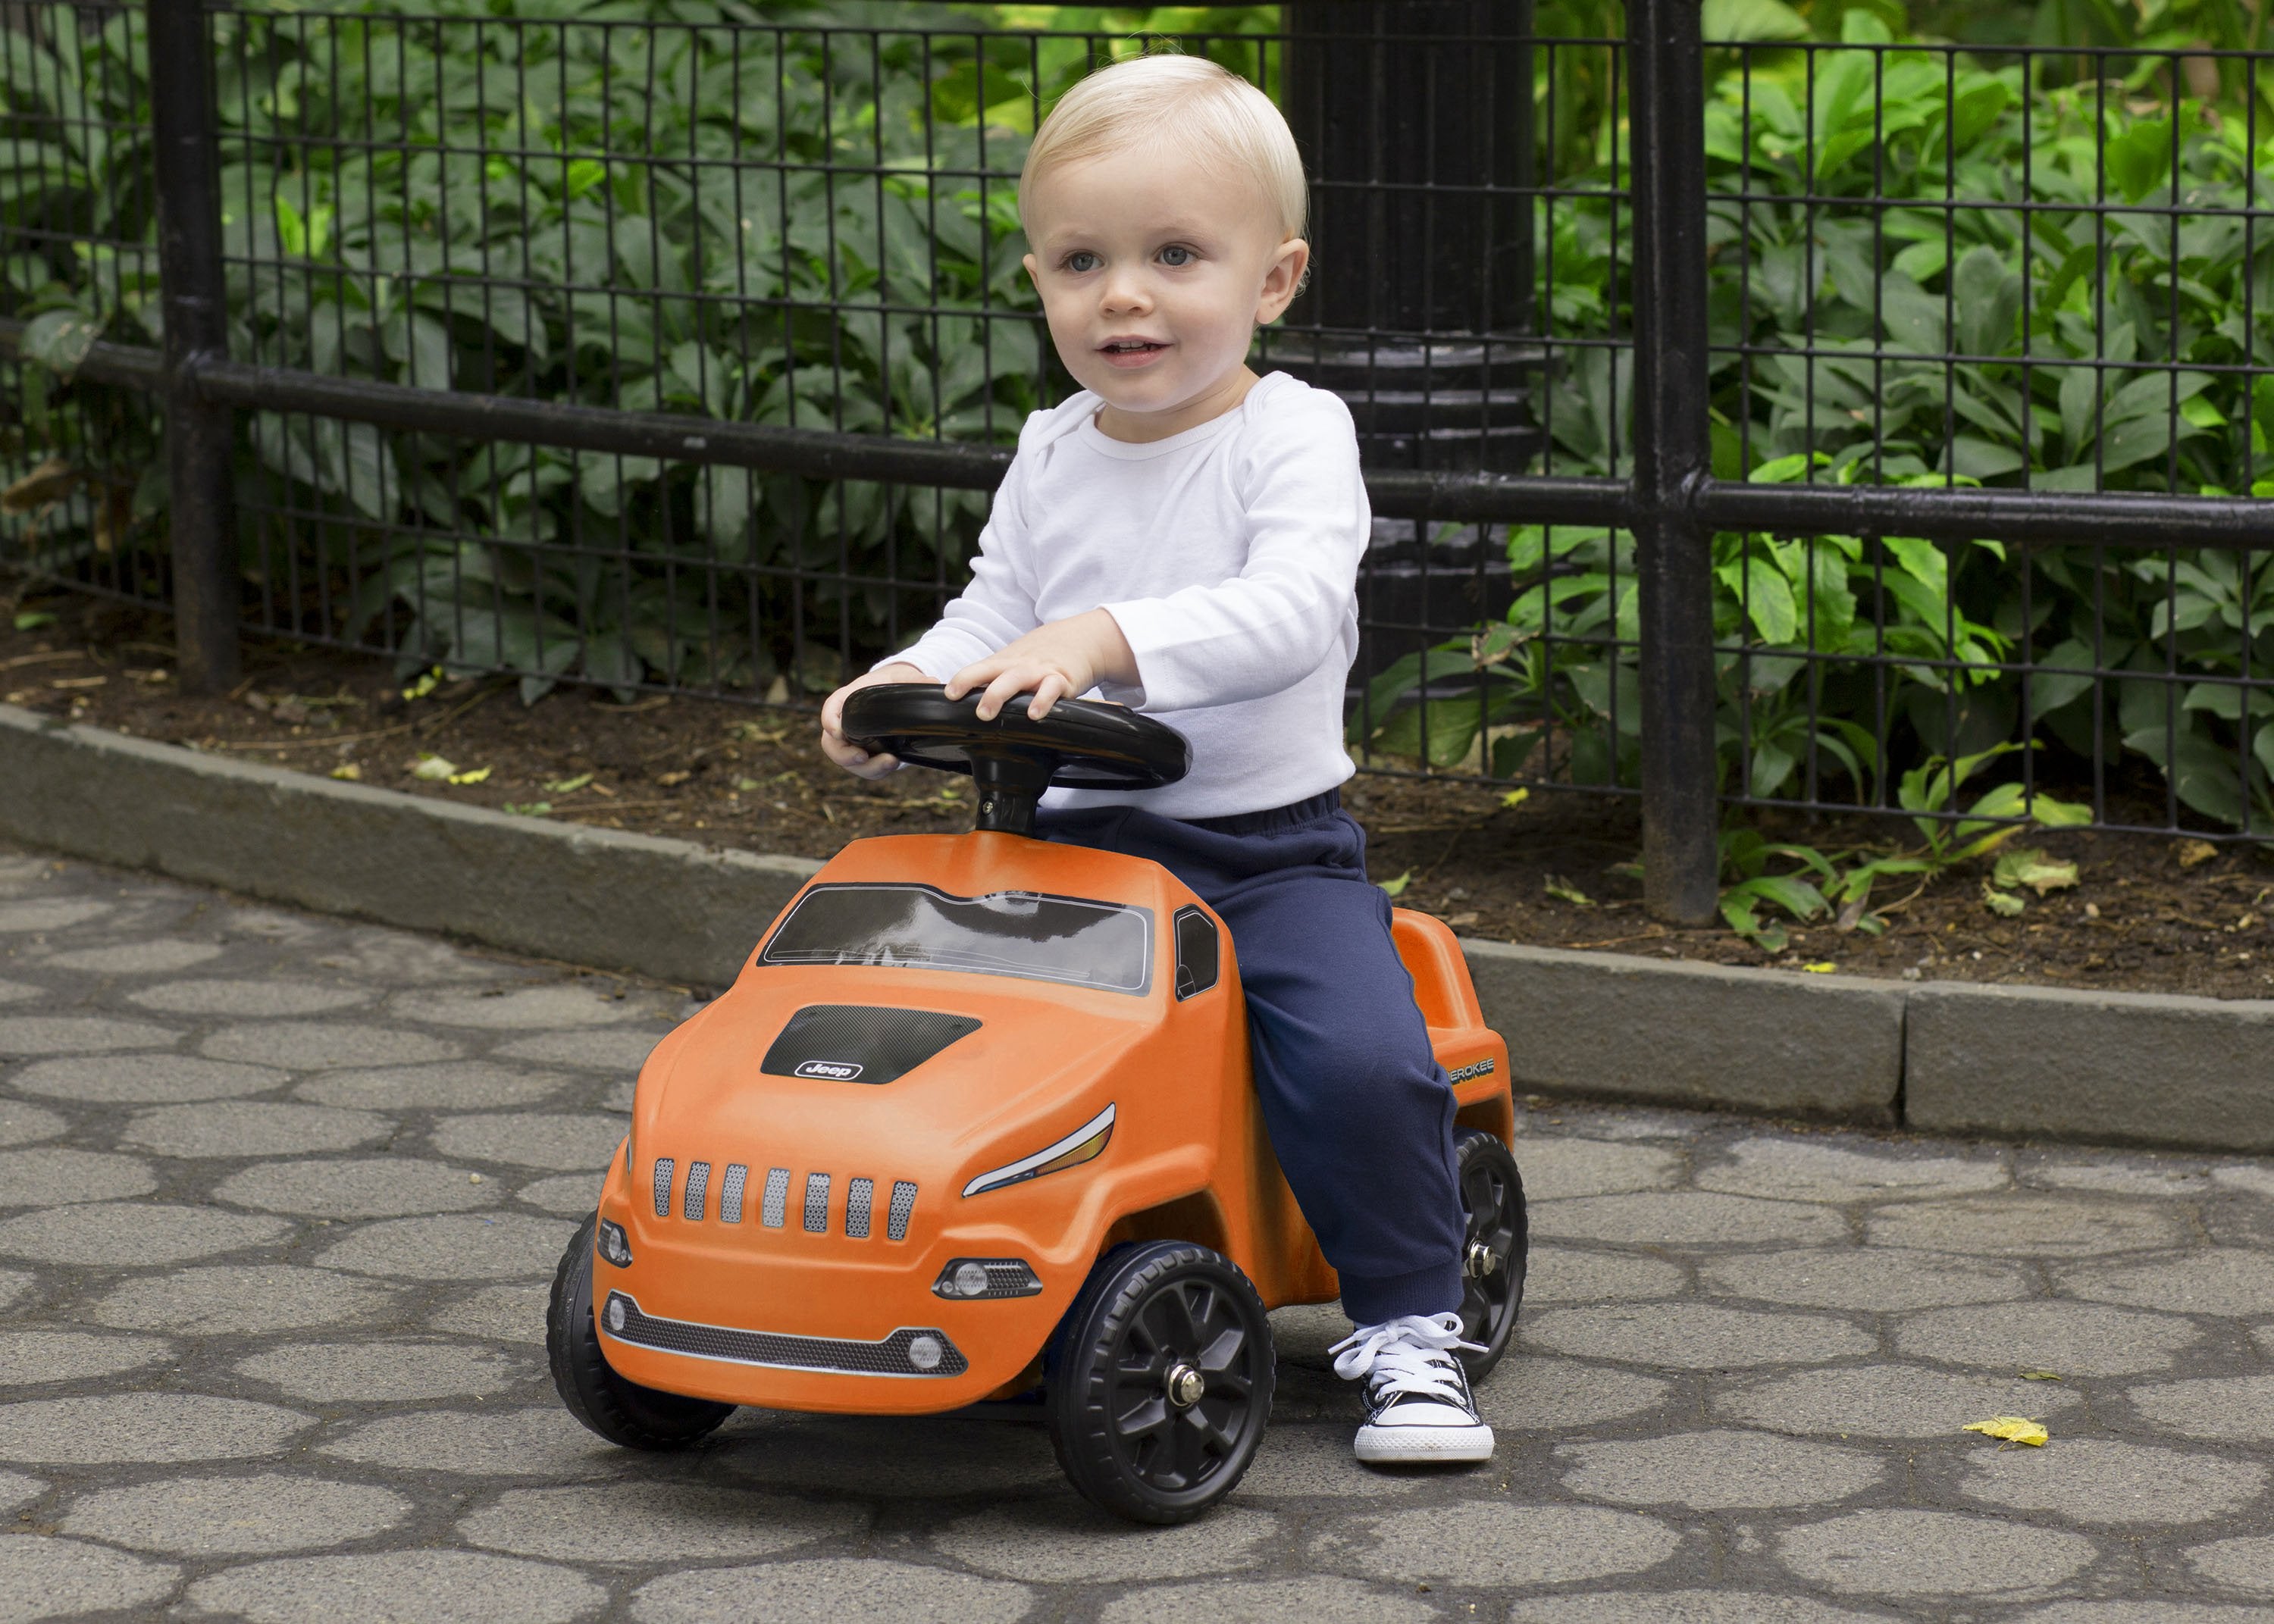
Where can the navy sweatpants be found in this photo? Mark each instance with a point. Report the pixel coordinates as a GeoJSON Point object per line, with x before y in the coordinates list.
{"type": "Point", "coordinates": [1359, 1112]}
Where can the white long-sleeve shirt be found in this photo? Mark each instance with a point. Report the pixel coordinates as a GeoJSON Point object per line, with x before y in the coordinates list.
{"type": "Point", "coordinates": [1228, 554]}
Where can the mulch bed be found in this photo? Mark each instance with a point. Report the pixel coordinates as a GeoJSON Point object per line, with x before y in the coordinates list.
{"type": "Point", "coordinates": [2149, 913]}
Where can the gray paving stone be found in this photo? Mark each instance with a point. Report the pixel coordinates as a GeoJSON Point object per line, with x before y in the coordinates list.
{"type": "Point", "coordinates": [1062, 1541]}
{"type": "Point", "coordinates": [158, 955]}
{"type": "Point", "coordinates": [546, 1442]}
{"type": "Point", "coordinates": [1304, 1461]}
{"type": "Point", "coordinates": [462, 1247]}
{"type": "Point", "coordinates": [123, 1234]}
{"type": "Point", "coordinates": [2218, 1280]}
{"type": "Point", "coordinates": [1864, 1279]}
{"type": "Point", "coordinates": [257, 1516]}
{"type": "Point", "coordinates": [2073, 1339]}
{"type": "Point", "coordinates": [611, 1049]}
{"type": "Point", "coordinates": [1315, 1599]}
{"type": "Point", "coordinates": [573, 1194]}
{"type": "Point", "coordinates": [24, 1036]}
{"type": "Point", "coordinates": [402, 1587]}
{"type": "Point", "coordinates": [145, 1079]}
{"type": "Point", "coordinates": [398, 958]}
{"type": "Point", "coordinates": [2161, 1611]}
{"type": "Point", "coordinates": [1722, 1470]}
{"type": "Point", "coordinates": [887, 1457]}
{"type": "Point", "coordinates": [503, 1314]}
{"type": "Point", "coordinates": [1696, 1336]}
{"type": "Point", "coordinates": [1686, 1218]}
{"type": "Point", "coordinates": [448, 1086]}
{"type": "Point", "coordinates": [2137, 1175]}
{"type": "Point", "coordinates": [387, 1372]}
{"type": "Point", "coordinates": [1526, 1391]}
{"type": "Point", "coordinates": [16, 1489]}
{"type": "Point", "coordinates": [252, 1128]}
{"type": "Point", "coordinates": [19, 992]}
{"type": "Point", "coordinates": [1555, 1167]}
{"type": "Point", "coordinates": [147, 1428]}
{"type": "Point", "coordinates": [314, 1046]}
{"type": "Point", "coordinates": [55, 1174]}
{"type": "Point", "coordinates": [2240, 1407]}
{"type": "Point", "coordinates": [1682, 1607]}
{"type": "Point", "coordinates": [829, 1593]}
{"type": "Point", "coordinates": [2105, 1480]}
{"type": "Point", "coordinates": [2245, 1564]}
{"type": "Point", "coordinates": [1886, 1400]}
{"type": "Point", "coordinates": [1496, 1544]}
{"type": "Point", "coordinates": [1796, 1169]}
{"type": "Point", "coordinates": [43, 1578]}
{"type": "Point", "coordinates": [1567, 1274]}
{"type": "Point", "coordinates": [560, 1143]}
{"type": "Point", "coordinates": [257, 997]}
{"type": "Point", "coordinates": [29, 1357]}
{"type": "Point", "coordinates": [264, 924]}
{"type": "Point", "coordinates": [2249, 1177]}
{"type": "Point", "coordinates": [652, 1522]}
{"type": "Point", "coordinates": [48, 914]}
{"type": "Point", "coordinates": [15, 1285]}
{"type": "Point", "coordinates": [372, 1187]}
{"type": "Point", "coordinates": [563, 1006]}
{"type": "Point", "coordinates": [1909, 1553]}
{"type": "Point", "coordinates": [2027, 1226]}
{"type": "Point", "coordinates": [247, 1299]}
{"type": "Point", "coordinates": [26, 1125]}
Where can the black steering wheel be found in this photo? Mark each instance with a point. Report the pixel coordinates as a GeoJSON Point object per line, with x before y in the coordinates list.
{"type": "Point", "coordinates": [1080, 745]}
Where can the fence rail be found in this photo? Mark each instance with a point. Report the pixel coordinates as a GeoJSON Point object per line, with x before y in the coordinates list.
{"type": "Point", "coordinates": [1757, 423]}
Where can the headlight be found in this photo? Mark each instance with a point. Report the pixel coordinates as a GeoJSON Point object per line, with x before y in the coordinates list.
{"type": "Point", "coordinates": [1084, 1144]}
{"type": "Point", "coordinates": [971, 1279]}
{"type": "Point", "coordinates": [614, 1245]}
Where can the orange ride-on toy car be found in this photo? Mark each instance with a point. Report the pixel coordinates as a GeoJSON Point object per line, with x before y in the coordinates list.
{"type": "Point", "coordinates": [976, 1123]}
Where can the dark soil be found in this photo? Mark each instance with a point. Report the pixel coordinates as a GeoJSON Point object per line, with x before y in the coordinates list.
{"type": "Point", "coordinates": [2149, 913]}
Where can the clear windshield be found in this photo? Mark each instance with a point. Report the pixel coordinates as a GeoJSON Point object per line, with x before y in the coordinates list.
{"type": "Point", "coordinates": [1101, 944]}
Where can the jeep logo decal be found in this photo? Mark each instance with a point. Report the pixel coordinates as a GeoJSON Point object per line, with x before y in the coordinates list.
{"type": "Point", "coordinates": [1482, 1068]}
{"type": "Point", "coordinates": [835, 1071]}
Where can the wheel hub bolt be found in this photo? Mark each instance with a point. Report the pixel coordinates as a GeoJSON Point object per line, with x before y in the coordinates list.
{"type": "Point", "coordinates": [1185, 1384]}
{"type": "Point", "coordinates": [1480, 1260]}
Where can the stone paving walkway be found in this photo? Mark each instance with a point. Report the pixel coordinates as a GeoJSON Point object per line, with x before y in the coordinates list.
{"type": "Point", "coordinates": [281, 1197]}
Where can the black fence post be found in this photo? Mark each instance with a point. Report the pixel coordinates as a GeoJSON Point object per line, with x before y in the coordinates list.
{"type": "Point", "coordinates": [200, 435]}
{"type": "Point", "coordinates": [1672, 459]}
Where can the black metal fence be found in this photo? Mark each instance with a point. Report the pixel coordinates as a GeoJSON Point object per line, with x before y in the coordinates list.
{"type": "Point", "coordinates": [1765, 423]}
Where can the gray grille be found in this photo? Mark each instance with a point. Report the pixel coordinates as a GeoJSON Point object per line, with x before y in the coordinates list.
{"type": "Point", "coordinates": [904, 1202]}
{"type": "Point", "coordinates": [776, 1197]}
{"type": "Point", "coordinates": [730, 1193]}
{"type": "Point", "coordinates": [817, 1203]}
{"type": "Point", "coordinates": [662, 1170]}
{"type": "Point", "coordinates": [888, 1357]}
{"type": "Point", "coordinates": [856, 1208]}
{"type": "Point", "coordinates": [699, 1188]}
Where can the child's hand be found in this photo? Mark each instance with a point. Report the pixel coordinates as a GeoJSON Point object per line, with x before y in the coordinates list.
{"type": "Point", "coordinates": [842, 749]}
{"type": "Point", "coordinates": [1057, 661]}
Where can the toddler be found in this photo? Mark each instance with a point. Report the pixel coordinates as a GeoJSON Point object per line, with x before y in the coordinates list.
{"type": "Point", "coordinates": [1184, 536]}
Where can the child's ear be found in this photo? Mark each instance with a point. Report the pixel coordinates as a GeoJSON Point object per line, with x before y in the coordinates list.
{"type": "Point", "coordinates": [1282, 279]}
{"type": "Point", "coordinates": [1029, 262]}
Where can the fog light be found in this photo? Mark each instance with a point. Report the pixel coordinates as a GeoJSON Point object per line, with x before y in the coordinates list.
{"type": "Point", "coordinates": [617, 1314]}
{"type": "Point", "coordinates": [615, 1246]}
{"type": "Point", "coordinates": [972, 1278]}
{"type": "Point", "coordinates": [924, 1352]}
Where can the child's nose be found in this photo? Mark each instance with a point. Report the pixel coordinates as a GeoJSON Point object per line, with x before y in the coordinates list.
{"type": "Point", "coordinates": [1124, 291]}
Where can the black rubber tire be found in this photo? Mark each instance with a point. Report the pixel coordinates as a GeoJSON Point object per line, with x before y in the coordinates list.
{"type": "Point", "coordinates": [1492, 1206]}
{"type": "Point", "coordinates": [1145, 1309]}
{"type": "Point", "coordinates": [623, 1412]}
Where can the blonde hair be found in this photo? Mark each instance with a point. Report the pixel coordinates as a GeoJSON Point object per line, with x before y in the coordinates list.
{"type": "Point", "coordinates": [1216, 115]}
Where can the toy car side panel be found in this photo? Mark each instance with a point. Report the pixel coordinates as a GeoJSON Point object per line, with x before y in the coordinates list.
{"type": "Point", "coordinates": [1474, 1056]}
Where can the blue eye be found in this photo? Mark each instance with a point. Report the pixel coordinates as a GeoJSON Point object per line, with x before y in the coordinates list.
{"type": "Point", "coordinates": [1176, 257]}
{"type": "Point", "coordinates": [1081, 261]}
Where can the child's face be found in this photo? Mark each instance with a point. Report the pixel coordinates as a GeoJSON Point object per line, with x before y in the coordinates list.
{"type": "Point", "coordinates": [1154, 272]}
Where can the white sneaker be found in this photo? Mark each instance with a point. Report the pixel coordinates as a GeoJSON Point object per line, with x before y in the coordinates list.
{"type": "Point", "coordinates": [1418, 1405]}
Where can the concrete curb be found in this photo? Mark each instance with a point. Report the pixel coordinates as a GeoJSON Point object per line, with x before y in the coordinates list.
{"type": "Point", "coordinates": [1944, 1058]}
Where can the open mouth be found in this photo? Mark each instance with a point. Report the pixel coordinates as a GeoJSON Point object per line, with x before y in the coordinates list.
{"type": "Point", "coordinates": [1132, 347]}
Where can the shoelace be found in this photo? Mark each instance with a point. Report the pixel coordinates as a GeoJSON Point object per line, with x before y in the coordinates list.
{"type": "Point", "coordinates": [1412, 1355]}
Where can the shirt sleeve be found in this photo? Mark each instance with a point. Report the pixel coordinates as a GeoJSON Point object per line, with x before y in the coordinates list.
{"type": "Point", "coordinates": [997, 607]}
{"type": "Point", "coordinates": [1294, 600]}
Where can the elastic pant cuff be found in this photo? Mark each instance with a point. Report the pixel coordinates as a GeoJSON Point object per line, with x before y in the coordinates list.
{"type": "Point", "coordinates": [1433, 1290]}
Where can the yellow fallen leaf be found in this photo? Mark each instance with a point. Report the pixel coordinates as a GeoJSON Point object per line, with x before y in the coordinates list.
{"type": "Point", "coordinates": [434, 770]}
{"type": "Point", "coordinates": [349, 772]}
{"type": "Point", "coordinates": [476, 777]}
{"type": "Point", "coordinates": [2195, 854]}
{"type": "Point", "coordinates": [2013, 1429]}
{"type": "Point", "coordinates": [1563, 890]}
{"type": "Point", "coordinates": [2038, 1375]}
{"type": "Point", "coordinates": [1514, 799]}
{"type": "Point", "coordinates": [1825, 968]}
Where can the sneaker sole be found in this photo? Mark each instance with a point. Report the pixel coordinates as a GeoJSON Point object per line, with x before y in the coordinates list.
{"type": "Point", "coordinates": [1395, 1446]}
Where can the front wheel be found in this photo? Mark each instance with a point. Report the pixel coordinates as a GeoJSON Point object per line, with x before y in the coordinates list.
{"type": "Point", "coordinates": [623, 1412]}
{"type": "Point", "coordinates": [1493, 1248]}
{"type": "Point", "coordinates": [1163, 1382]}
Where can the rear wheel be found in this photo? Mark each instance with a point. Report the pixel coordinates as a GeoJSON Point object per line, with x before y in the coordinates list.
{"type": "Point", "coordinates": [623, 1412]}
{"type": "Point", "coordinates": [1492, 1249]}
{"type": "Point", "coordinates": [1163, 1382]}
